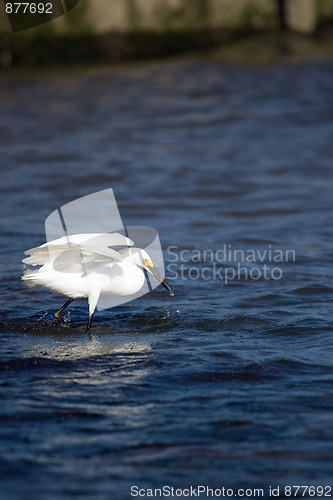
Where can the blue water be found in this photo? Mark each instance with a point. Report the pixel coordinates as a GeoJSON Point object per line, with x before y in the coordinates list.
{"type": "Point", "coordinates": [224, 384]}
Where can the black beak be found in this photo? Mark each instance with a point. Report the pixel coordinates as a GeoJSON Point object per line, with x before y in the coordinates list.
{"type": "Point", "coordinates": [163, 281]}
{"type": "Point", "coordinates": [168, 287]}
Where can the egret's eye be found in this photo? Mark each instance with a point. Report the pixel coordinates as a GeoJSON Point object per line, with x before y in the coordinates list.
{"type": "Point", "coordinates": [147, 262]}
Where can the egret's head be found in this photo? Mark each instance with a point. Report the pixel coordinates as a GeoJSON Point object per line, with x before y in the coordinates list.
{"type": "Point", "coordinates": [139, 257]}
{"type": "Point", "coordinates": [143, 259]}
{"type": "Point", "coordinates": [149, 266]}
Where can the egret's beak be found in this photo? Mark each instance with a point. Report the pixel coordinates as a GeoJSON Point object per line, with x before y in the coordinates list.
{"type": "Point", "coordinates": [150, 267]}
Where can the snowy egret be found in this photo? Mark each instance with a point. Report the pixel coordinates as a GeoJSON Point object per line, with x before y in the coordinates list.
{"type": "Point", "coordinates": [84, 266]}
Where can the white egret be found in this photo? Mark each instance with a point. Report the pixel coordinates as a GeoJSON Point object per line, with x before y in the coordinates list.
{"type": "Point", "coordinates": [84, 265]}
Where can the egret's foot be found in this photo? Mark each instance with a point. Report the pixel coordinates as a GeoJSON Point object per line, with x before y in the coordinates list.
{"type": "Point", "coordinates": [58, 317]}
{"type": "Point", "coordinates": [57, 314]}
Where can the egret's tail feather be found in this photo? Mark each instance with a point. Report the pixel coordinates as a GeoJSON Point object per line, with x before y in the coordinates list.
{"type": "Point", "coordinates": [30, 277]}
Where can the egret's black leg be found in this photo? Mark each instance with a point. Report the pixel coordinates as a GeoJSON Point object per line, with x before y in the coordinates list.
{"type": "Point", "coordinates": [57, 314]}
{"type": "Point", "coordinates": [89, 322]}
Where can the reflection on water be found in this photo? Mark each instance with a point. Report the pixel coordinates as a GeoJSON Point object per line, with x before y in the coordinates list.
{"type": "Point", "coordinates": [84, 345]}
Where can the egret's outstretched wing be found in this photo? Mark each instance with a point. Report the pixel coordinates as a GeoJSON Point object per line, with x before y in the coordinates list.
{"type": "Point", "coordinates": [78, 248]}
{"type": "Point", "coordinates": [70, 253]}
{"type": "Point", "coordinates": [71, 257]}
{"type": "Point", "coordinates": [99, 254]}
{"type": "Point", "coordinates": [45, 253]}
{"type": "Point", "coordinates": [101, 240]}
{"type": "Point", "coordinates": [92, 239]}
{"type": "Point", "coordinates": [69, 260]}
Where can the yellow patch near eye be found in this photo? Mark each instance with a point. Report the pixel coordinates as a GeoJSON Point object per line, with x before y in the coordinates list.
{"type": "Point", "coordinates": [148, 263]}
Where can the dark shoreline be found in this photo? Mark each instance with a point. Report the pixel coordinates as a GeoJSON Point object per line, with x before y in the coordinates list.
{"type": "Point", "coordinates": [229, 46]}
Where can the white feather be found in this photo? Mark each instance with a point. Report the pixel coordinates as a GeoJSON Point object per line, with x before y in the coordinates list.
{"type": "Point", "coordinates": [83, 265]}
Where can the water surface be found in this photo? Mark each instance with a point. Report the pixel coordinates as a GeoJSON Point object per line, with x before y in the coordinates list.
{"type": "Point", "coordinates": [225, 384]}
